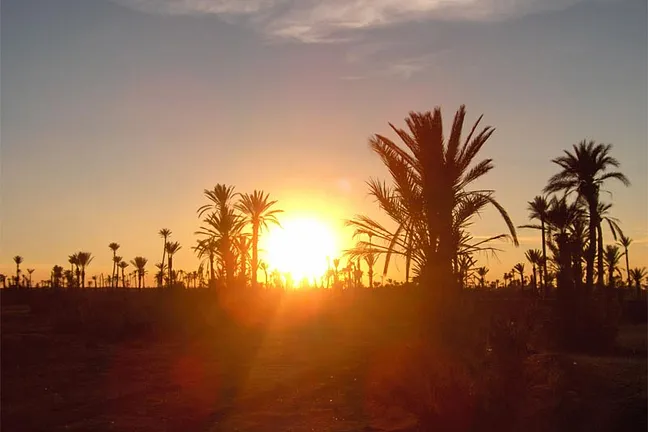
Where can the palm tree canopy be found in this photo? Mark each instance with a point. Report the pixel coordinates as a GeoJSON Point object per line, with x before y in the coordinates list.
{"type": "Point", "coordinates": [534, 256]}
{"type": "Point", "coordinates": [257, 208]}
{"type": "Point", "coordinates": [139, 263]}
{"type": "Point", "coordinates": [585, 169]}
{"type": "Point", "coordinates": [114, 246]}
{"type": "Point", "coordinates": [172, 247]}
{"type": "Point", "coordinates": [612, 255]}
{"type": "Point", "coordinates": [122, 264]}
{"type": "Point", "coordinates": [638, 274]}
{"type": "Point", "coordinates": [624, 241]}
{"type": "Point", "coordinates": [84, 258]}
{"type": "Point", "coordinates": [220, 198]}
{"type": "Point", "coordinates": [165, 233]}
{"type": "Point", "coordinates": [18, 259]}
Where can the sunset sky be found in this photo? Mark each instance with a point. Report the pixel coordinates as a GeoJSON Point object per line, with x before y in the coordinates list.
{"type": "Point", "coordinates": [117, 114]}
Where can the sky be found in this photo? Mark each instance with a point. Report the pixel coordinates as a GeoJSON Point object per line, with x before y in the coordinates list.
{"type": "Point", "coordinates": [116, 114]}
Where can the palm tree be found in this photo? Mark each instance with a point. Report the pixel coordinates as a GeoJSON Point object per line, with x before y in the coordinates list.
{"type": "Point", "coordinates": [534, 256]}
{"type": "Point", "coordinates": [638, 274]}
{"type": "Point", "coordinates": [159, 276]}
{"type": "Point", "coordinates": [113, 247]}
{"type": "Point", "coordinates": [139, 263]}
{"type": "Point", "coordinates": [18, 260]}
{"type": "Point", "coordinates": [57, 276]}
{"type": "Point", "coordinates": [585, 171]}
{"type": "Point", "coordinates": [612, 256]}
{"type": "Point", "coordinates": [257, 210]}
{"type": "Point", "coordinates": [519, 267]}
{"type": "Point", "coordinates": [430, 203]}
{"type": "Point", "coordinates": [603, 214]}
{"type": "Point", "coordinates": [207, 247]}
{"type": "Point", "coordinates": [561, 218]}
{"type": "Point", "coordinates": [84, 259]}
{"type": "Point", "coordinates": [538, 208]}
{"type": "Point", "coordinates": [625, 243]}
{"type": "Point", "coordinates": [241, 243]}
{"type": "Point", "coordinates": [264, 267]}
{"type": "Point", "coordinates": [481, 272]}
{"type": "Point", "coordinates": [122, 265]}
{"type": "Point", "coordinates": [30, 271]}
{"type": "Point", "coordinates": [165, 233]}
{"type": "Point", "coordinates": [3, 279]}
{"type": "Point", "coordinates": [115, 279]}
{"type": "Point", "coordinates": [171, 249]}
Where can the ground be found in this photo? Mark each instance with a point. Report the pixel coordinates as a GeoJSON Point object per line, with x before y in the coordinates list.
{"type": "Point", "coordinates": [314, 374]}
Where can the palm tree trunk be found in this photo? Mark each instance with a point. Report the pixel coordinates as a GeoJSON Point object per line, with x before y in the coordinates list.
{"type": "Point", "coordinates": [170, 270]}
{"type": "Point", "coordinates": [600, 268]}
{"type": "Point", "coordinates": [628, 267]}
{"type": "Point", "coordinates": [82, 277]}
{"type": "Point", "coordinates": [591, 248]}
{"type": "Point", "coordinates": [212, 276]}
{"type": "Point", "coordinates": [255, 253]}
{"type": "Point", "coordinates": [544, 258]}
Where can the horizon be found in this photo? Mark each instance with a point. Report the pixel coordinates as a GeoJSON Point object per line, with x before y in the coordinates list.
{"type": "Point", "coordinates": [116, 115]}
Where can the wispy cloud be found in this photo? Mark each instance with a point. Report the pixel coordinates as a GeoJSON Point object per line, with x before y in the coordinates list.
{"type": "Point", "coordinates": [313, 21]}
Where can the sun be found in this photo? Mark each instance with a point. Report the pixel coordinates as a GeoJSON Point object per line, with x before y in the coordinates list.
{"type": "Point", "coordinates": [301, 247]}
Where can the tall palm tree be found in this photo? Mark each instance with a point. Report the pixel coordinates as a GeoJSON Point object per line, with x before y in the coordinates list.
{"type": "Point", "coordinates": [482, 272]}
{"type": "Point", "coordinates": [30, 271]}
{"type": "Point", "coordinates": [638, 274]}
{"type": "Point", "coordinates": [165, 233]}
{"type": "Point", "coordinates": [561, 218]}
{"type": "Point", "coordinates": [519, 267]}
{"type": "Point", "coordinates": [207, 247]}
{"type": "Point", "coordinates": [84, 259]}
{"type": "Point", "coordinates": [122, 265]}
{"type": "Point", "coordinates": [585, 171]}
{"type": "Point", "coordinates": [140, 266]}
{"type": "Point", "coordinates": [534, 256]}
{"type": "Point", "coordinates": [114, 247]}
{"type": "Point", "coordinates": [430, 202]}
{"type": "Point", "coordinates": [538, 208]}
{"type": "Point", "coordinates": [264, 268]}
{"type": "Point", "coordinates": [74, 266]}
{"type": "Point", "coordinates": [159, 276]}
{"type": "Point", "coordinates": [612, 257]}
{"type": "Point", "coordinates": [603, 215]}
{"type": "Point", "coordinates": [241, 243]}
{"type": "Point", "coordinates": [625, 243]}
{"type": "Point", "coordinates": [171, 249]}
{"type": "Point", "coordinates": [258, 212]}
{"type": "Point", "coordinates": [115, 279]}
{"type": "Point", "coordinates": [18, 260]}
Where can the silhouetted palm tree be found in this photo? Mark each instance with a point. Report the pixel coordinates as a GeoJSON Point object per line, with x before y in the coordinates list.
{"type": "Point", "coordinates": [638, 274]}
{"type": "Point", "coordinates": [30, 271]}
{"type": "Point", "coordinates": [140, 265]}
{"type": "Point", "coordinates": [603, 215]}
{"type": "Point", "coordinates": [74, 267]}
{"type": "Point", "coordinates": [122, 265]}
{"type": "Point", "coordinates": [561, 218]}
{"type": "Point", "coordinates": [114, 247]}
{"type": "Point", "coordinates": [115, 279]}
{"type": "Point", "coordinates": [612, 256]}
{"type": "Point", "coordinates": [18, 260]}
{"type": "Point", "coordinates": [165, 233]}
{"type": "Point", "coordinates": [625, 243]}
{"type": "Point", "coordinates": [534, 256]}
{"type": "Point", "coordinates": [585, 171]}
{"type": "Point", "coordinates": [519, 267]}
{"type": "Point", "coordinates": [3, 280]}
{"type": "Point", "coordinates": [57, 276]}
{"type": "Point", "coordinates": [258, 211]}
{"type": "Point", "coordinates": [538, 211]}
{"type": "Point", "coordinates": [208, 247]}
{"type": "Point", "coordinates": [264, 267]}
{"type": "Point", "coordinates": [431, 176]}
{"type": "Point", "coordinates": [171, 249]}
{"type": "Point", "coordinates": [159, 276]}
{"type": "Point", "coordinates": [242, 245]}
{"type": "Point", "coordinates": [84, 259]}
{"type": "Point", "coordinates": [482, 272]}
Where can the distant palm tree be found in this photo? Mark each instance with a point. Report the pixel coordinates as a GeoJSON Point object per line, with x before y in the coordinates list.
{"type": "Point", "coordinates": [18, 260]}
{"type": "Point", "coordinates": [534, 256]}
{"type": "Point", "coordinates": [74, 260]}
{"type": "Point", "coordinates": [519, 267]}
{"type": "Point", "coordinates": [612, 256]}
{"type": "Point", "coordinates": [165, 233]}
{"type": "Point", "coordinates": [638, 274]}
{"type": "Point", "coordinates": [113, 247]}
{"type": "Point", "coordinates": [84, 259]}
{"type": "Point", "coordinates": [3, 279]}
{"type": "Point", "coordinates": [207, 247]}
{"type": "Point", "coordinates": [257, 210]}
{"type": "Point", "coordinates": [171, 249]}
{"type": "Point", "coordinates": [139, 263]}
{"type": "Point", "coordinates": [625, 243]}
{"type": "Point", "coordinates": [94, 281]}
{"type": "Point", "coordinates": [538, 208]}
{"type": "Point", "coordinates": [336, 272]}
{"type": "Point", "coordinates": [30, 271]}
{"type": "Point", "coordinates": [159, 276]}
{"type": "Point", "coordinates": [481, 272]}
{"type": "Point", "coordinates": [122, 265]}
{"type": "Point", "coordinates": [57, 276]}
{"type": "Point", "coordinates": [603, 215]}
{"type": "Point", "coordinates": [264, 267]}
{"type": "Point", "coordinates": [585, 171]}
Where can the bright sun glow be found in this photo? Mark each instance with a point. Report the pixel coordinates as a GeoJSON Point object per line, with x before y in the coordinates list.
{"type": "Point", "coordinates": [300, 248]}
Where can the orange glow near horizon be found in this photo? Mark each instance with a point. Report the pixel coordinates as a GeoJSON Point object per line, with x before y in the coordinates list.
{"type": "Point", "coordinates": [300, 247]}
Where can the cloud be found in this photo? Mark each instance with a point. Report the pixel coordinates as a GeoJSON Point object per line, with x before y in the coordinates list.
{"type": "Point", "coordinates": [316, 21]}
